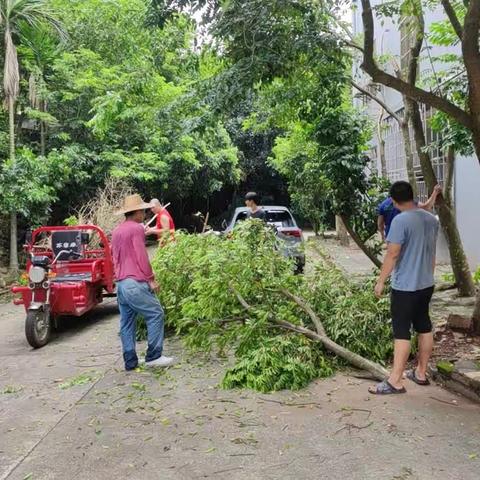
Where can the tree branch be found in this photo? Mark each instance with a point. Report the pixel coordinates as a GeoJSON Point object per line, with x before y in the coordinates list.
{"type": "Point", "coordinates": [356, 238]}
{"type": "Point", "coordinates": [352, 45]}
{"type": "Point", "coordinates": [377, 100]}
{"type": "Point", "coordinates": [225, 321]}
{"type": "Point", "coordinates": [307, 309]}
{"type": "Point", "coordinates": [240, 299]}
{"type": "Point", "coordinates": [354, 359]}
{"type": "Point", "coordinates": [349, 42]}
{"type": "Point", "coordinates": [380, 76]}
{"type": "Point", "coordinates": [452, 16]}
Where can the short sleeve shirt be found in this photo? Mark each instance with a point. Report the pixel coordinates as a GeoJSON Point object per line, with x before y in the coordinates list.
{"type": "Point", "coordinates": [260, 214]}
{"type": "Point", "coordinates": [388, 211]}
{"type": "Point", "coordinates": [416, 231]}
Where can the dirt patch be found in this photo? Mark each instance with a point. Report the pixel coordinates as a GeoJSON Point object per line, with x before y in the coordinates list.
{"type": "Point", "coordinates": [453, 346]}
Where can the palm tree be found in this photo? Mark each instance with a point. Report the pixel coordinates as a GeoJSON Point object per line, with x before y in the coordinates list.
{"type": "Point", "coordinates": [39, 50]}
{"type": "Point", "coordinates": [14, 14]}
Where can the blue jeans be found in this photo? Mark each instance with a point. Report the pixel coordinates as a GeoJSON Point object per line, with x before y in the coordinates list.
{"type": "Point", "coordinates": [136, 298]}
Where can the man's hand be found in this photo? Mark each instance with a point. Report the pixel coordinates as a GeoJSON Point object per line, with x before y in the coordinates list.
{"type": "Point", "coordinates": [437, 189]}
{"type": "Point", "coordinates": [379, 287]}
{"type": "Point", "coordinates": [155, 287]}
{"type": "Point", "coordinates": [148, 231]}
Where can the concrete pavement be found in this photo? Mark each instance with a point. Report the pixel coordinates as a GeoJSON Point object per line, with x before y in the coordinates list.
{"type": "Point", "coordinates": [69, 411]}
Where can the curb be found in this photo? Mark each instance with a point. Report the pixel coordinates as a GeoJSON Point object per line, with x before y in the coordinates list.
{"type": "Point", "coordinates": [462, 377]}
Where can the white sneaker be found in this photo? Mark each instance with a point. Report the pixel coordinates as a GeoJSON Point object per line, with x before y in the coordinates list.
{"type": "Point", "coordinates": [161, 362]}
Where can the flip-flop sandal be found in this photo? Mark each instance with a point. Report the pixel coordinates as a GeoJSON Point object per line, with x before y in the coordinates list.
{"type": "Point", "coordinates": [386, 388]}
{"type": "Point", "coordinates": [412, 375]}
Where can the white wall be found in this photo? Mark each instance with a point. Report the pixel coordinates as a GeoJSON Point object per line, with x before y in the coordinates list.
{"type": "Point", "coordinates": [467, 206]}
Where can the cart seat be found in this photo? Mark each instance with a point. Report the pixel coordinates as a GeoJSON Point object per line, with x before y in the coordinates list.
{"type": "Point", "coordinates": [73, 277]}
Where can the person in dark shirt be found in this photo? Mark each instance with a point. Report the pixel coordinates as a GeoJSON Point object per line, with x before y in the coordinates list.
{"type": "Point", "coordinates": [251, 201]}
{"type": "Point", "coordinates": [387, 211]}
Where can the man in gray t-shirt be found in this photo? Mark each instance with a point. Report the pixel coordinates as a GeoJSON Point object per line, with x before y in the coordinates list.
{"type": "Point", "coordinates": [410, 259]}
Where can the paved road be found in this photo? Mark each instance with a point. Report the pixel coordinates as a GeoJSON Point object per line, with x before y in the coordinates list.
{"type": "Point", "coordinates": [177, 425]}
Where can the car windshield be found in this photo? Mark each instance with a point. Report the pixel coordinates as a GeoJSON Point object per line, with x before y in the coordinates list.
{"type": "Point", "coordinates": [279, 218]}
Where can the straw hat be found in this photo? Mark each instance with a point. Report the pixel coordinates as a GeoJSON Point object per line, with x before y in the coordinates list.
{"type": "Point", "coordinates": [133, 203]}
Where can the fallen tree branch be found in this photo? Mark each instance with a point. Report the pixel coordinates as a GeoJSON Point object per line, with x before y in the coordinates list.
{"type": "Point", "coordinates": [354, 359]}
{"type": "Point", "coordinates": [349, 426]}
{"type": "Point", "coordinates": [290, 404]}
{"type": "Point", "coordinates": [444, 401]}
{"type": "Point", "coordinates": [225, 321]}
{"type": "Point", "coordinates": [307, 309]}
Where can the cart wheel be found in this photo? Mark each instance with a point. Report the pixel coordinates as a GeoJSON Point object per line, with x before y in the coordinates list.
{"type": "Point", "coordinates": [38, 327]}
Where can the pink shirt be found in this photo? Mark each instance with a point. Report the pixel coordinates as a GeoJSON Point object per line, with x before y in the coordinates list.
{"type": "Point", "coordinates": [129, 253]}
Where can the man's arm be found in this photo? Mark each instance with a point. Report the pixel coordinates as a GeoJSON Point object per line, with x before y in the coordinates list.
{"type": "Point", "coordinates": [165, 227]}
{"type": "Point", "coordinates": [430, 203]}
{"type": "Point", "coordinates": [165, 230]}
{"type": "Point", "coordinates": [393, 251]}
{"type": "Point", "coordinates": [381, 226]}
{"type": "Point", "coordinates": [165, 223]}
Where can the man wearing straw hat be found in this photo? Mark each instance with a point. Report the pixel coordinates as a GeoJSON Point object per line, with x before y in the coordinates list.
{"type": "Point", "coordinates": [136, 286]}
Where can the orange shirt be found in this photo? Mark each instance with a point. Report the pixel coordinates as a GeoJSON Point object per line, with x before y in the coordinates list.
{"type": "Point", "coordinates": [165, 213]}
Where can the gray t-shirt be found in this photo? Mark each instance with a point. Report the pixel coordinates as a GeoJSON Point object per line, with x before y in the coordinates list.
{"type": "Point", "coordinates": [416, 231]}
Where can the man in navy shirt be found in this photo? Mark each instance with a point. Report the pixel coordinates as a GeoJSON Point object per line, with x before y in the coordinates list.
{"type": "Point", "coordinates": [387, 211]}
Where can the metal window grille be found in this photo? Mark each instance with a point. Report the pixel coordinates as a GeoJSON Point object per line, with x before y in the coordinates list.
{"type": "Point", "coordinates": [395, 153]}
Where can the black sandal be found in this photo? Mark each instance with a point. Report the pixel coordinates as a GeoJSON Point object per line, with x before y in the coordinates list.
{"type": "Point", "coordinates": [386, 388]}
{"type": "Point", "coordinates": [412, 375]}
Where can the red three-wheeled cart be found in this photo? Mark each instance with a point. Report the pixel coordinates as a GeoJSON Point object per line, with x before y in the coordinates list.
{"type": "Point", "coordinates": [69, 272]}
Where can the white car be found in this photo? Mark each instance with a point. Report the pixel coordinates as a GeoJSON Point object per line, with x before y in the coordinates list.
{"type": "Point", "coordinates": [287, 230]}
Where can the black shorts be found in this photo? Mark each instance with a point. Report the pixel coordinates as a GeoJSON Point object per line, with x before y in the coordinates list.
{"type": "Point", "coordinates": [410, 308]}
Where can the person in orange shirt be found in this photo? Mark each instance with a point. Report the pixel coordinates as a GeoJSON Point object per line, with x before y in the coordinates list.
{"type": "Point", "coordinates": [165, 226]}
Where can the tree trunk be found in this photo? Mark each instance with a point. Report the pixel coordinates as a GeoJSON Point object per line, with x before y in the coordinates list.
{"type": "Point", "coordinates": [13, 213]}
{"type": "Point", "coordinates": [458, 259]}
{"type": "Point", "coordinates": [448, 185]}
{"type": "Point", "coordinates": [342, 234]}
{"type": "Point", "coordinates": [383, 160]}
{"type": "Point", "coordinates": [43, 135]}
{"type": "Point", "coordinates": [476, 314]}
{"type": "Point", "coordinates": [360, 243]}
{"type": "Point", "coordinates": [13, 244]}
{"type": "Point", "coordinates": [381, 146]}
{"type": "Point", "coordinates": [407, 145]}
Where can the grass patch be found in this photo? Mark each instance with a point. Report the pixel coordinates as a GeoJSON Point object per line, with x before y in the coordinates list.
{"type": "Point", "coordinates": [445, 367]}
{"type": "Point", "coordinates": [81, 379]}
{"type": "Point", "coordinates": [11, 389]}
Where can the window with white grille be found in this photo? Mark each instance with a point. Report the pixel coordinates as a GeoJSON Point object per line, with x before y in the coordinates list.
{"type": "Point", "coordinates": [395, 153]}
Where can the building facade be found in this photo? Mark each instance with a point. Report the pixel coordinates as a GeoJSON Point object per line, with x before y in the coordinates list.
{"type": "Point", "coordinates": [392, 41]}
